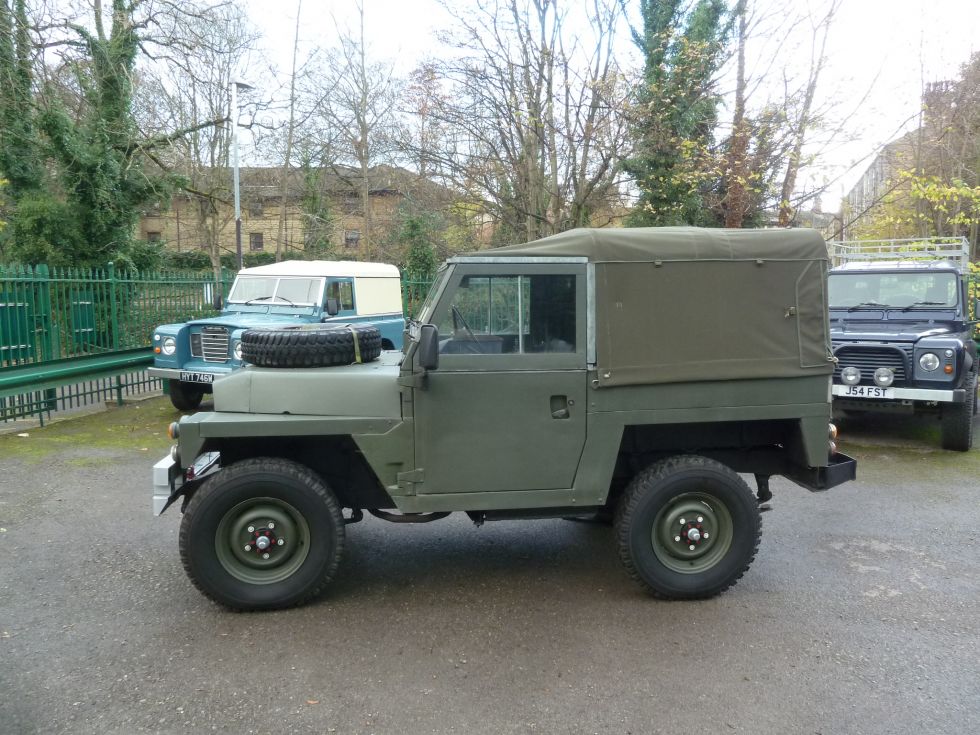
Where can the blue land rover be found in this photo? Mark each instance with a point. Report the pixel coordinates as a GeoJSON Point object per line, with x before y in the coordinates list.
{"type": "Point", "coordinates": [191, 356]}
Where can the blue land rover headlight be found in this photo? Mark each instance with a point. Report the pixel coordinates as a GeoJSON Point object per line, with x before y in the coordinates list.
{"type": "Point", "coordinates": [929, 361]}
{"type": "Point", "coordinates": [168, 346]}
{"type": "Point", "coordinates": [237, 350]}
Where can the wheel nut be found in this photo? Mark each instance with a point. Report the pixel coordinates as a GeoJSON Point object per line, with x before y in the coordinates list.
{"type": "Point", "coordinates": [700, 519]}
{"type": "Point", "coordinates": [271, 524]}
{"type": "Point", "coordinates": [704, 535]}
{"type": "Point", "coordinates": [683, 521]}
{"type": "Point", "coordinates": [248, 547]}
{"type": "Point", "coordinates": [281, 541]}
{"type": "Point", "coordinates": [266, 555]}
{"type": "Point", "coordinates": [677, 538]}
{"type": "Point", "coordinates": [251, 529]}
{"type": "Point", "coordinates": [691, 547]}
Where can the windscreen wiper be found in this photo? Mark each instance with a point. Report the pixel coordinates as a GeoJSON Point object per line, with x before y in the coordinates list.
{"type": "Point", "coordinates": [924, 303]}
{"type": "Point", "coordinates": [865, 304]}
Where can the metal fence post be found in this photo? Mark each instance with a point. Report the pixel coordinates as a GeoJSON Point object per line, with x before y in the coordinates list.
{"type": "Point", "coordinates": [113, 306]}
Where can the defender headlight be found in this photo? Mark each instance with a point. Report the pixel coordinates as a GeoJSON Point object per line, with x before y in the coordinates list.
{"type": "Point", "coordinates": [884, 376]}
{"type": "Point", "coordinates": [929, 361]}
{"type": "Point", "coordinates": [169, 346]}
{"type": "Point", "coordinates": [238, 350]}
{"type": "Point", "coordinates": [850, 375]}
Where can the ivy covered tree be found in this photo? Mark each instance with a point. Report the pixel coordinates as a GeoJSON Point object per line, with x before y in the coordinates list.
{"type": "Point", "coordinates": [675, 109]}
{"type": "Point", "coordinates": [69, 142]}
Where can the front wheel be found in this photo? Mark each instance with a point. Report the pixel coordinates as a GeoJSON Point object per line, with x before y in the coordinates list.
{"type": "Point", "coordinates": [263, 534]}
{"type": "Point", "coordinates": [185, 396]}
{"type": "Point", "coordinates": [956, 421]}
{"type": "Point", "coordinates": [688, 527]}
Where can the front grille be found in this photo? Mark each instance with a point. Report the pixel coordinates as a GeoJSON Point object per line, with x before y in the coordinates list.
{"type": "Point", "coordinates": [214, 344]}
{"type": "Point", "coordinates": [868, 358]}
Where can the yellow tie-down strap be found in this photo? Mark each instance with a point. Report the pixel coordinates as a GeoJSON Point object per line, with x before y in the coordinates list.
{"type": "Point", "coordinates": [357, 344]}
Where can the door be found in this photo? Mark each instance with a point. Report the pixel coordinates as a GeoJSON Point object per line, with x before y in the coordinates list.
{"type": "Point", "coordinates": [506, 408]}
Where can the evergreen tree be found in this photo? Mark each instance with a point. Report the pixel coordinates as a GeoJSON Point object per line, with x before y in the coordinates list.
{"type": "Point", "coordinates": [675, 109]}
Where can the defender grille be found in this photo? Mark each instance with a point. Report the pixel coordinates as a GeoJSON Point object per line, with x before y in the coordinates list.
{"type": "Point", "coordinates": [867, 359]}
{"type": "Point", "coordinates": [214, 344]}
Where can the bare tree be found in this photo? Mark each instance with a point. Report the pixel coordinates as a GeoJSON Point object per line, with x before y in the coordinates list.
{"type": "Point", "coordinates": [804, 119]}
{"type": "Point", "coordinates": [530, 115]}
{"type": "Point", "coordinates": [183, 90]}
{"type": "Point", "coordinates": [356, 117]}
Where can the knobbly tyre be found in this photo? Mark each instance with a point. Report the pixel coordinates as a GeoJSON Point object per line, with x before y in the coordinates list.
{"type": "Point", "coordinates": [293, 293]}
{"type": "Point", "coordinates": [902, 332]}
{"type": "Point", "coordinates": [627, 373]}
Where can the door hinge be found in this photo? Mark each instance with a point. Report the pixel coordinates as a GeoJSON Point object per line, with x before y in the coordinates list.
{"type": "Point", "coordinates": [415, 380]}
{"type": "Point", "coordinates": [408, 480]}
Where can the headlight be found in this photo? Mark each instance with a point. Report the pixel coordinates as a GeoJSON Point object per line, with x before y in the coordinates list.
{"type": "Point", "coordinates": [884, 377]}
{"type": "Point", "coordinates": [850, 375]}
{"type": "Point", "coordinates": [929, 361]}
{"type": "Point", "coordinates": [169, 346]}
{"type": "Point", "coordinates": [238, 350]}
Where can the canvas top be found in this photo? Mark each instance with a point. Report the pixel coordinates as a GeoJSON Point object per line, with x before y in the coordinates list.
{"type": "Point", "coordinates": [650, 244]}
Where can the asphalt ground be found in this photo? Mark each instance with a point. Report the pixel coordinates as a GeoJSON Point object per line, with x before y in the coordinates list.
{"type": "Point", "coordinates": [859, 615]}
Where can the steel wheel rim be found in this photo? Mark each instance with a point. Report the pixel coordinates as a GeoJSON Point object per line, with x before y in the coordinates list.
{"type": "Point", "coordinates": [246, 524]}
{"type": "Point", "coordinates": [707, 526]}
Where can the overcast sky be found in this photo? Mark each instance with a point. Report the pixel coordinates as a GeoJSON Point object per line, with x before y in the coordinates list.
{"type": "Point", "coordinates": [881, 52]}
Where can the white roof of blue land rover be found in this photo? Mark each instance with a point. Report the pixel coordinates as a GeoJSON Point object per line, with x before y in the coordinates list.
{"type": "Point", "coordinates": [321, 268]}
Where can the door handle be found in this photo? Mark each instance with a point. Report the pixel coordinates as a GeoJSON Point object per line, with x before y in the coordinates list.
{"type": "Point", "coordinates": [559, 407]}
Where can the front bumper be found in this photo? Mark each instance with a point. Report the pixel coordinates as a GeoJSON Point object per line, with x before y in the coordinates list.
{"type": "Point", "coordinates": [167, 480]}
{"type": "Point", "coordinates": [170, 480]}
{"type": "Point", "coordinates": [956, 395]}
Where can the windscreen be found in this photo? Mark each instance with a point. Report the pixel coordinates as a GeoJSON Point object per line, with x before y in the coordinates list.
{"type": "Point", "coordinates": [907, 290]}
{"type": "Point", "coordinates": [261, 289]}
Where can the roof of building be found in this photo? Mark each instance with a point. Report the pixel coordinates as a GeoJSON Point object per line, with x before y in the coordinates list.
{"type": "Point", "coordinates": [323, 268]}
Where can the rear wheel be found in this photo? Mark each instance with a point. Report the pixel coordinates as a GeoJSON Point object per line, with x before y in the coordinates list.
{"type": "Point", "coordinates": [688, 527]}
{"type": "Point", "coordinates": [185, 396]}
{"type": "Point", "coordinates": [262, 534]}
{"type": "Point", "coordinates": [956, 421]}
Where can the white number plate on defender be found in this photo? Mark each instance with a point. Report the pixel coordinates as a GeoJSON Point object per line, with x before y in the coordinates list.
{"type": "Point", "coordinates": [188, 377]}
{"type": "Point", "coordinates": [863, 391]}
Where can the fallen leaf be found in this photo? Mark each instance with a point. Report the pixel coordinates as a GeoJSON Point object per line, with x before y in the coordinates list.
{"type": "Point", "coordinates": [25, 435]}
{"type": "Point", "coordinates": [313, 701]}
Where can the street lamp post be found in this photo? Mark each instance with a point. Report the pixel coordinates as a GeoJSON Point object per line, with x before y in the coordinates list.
{"type": "Point", "coordinates": [235, 87]}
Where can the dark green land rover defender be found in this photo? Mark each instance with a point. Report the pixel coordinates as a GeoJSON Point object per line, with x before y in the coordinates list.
{"type": "Point", "coordinates": [622, 373]}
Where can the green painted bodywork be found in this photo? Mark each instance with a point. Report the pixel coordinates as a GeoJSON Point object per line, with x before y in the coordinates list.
{"type": "Point", "coordinates": [532, 430]}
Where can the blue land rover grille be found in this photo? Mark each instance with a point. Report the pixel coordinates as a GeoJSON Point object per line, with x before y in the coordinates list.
{"type": "Point", "coordinates": [868, 358]}
{"type": "Point", "coordinates": [214, 344]}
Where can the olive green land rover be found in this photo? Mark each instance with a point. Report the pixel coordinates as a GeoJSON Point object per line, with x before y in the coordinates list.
{"type": "Point", "coordinates": [627, 374]}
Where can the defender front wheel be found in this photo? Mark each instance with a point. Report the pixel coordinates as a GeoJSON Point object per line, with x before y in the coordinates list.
{"type": "Point", "coordinates": [688, 527]}
{"type": "Point", "coordinates": [262, 534]}
{"type": "Point", "coordinates": [956, 420]}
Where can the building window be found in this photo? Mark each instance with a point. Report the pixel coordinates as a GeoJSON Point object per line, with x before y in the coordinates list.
{"type": "Point", "coordinates": [153, 237]}
{"type": "Point", "coordinates": [255, 209]}
{"type": "Point", "coordinates": [255, 241]}
{"type": "Point", "coordinates": [352, 238]}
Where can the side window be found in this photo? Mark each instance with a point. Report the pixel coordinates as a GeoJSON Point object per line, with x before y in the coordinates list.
{"type": "Point", "coordinates": [342, 292]}
{"type": "Point", "coordinates": [511, 315]}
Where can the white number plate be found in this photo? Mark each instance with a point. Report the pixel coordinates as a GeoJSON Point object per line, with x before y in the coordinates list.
{"type": "Point", "coordinates": [863, 391]}
{"type": "Point", "coordinates": [188, 377]}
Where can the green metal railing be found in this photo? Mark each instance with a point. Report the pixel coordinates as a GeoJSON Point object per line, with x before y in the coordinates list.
{"type": "Point", "coordinates": [56, 324]}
